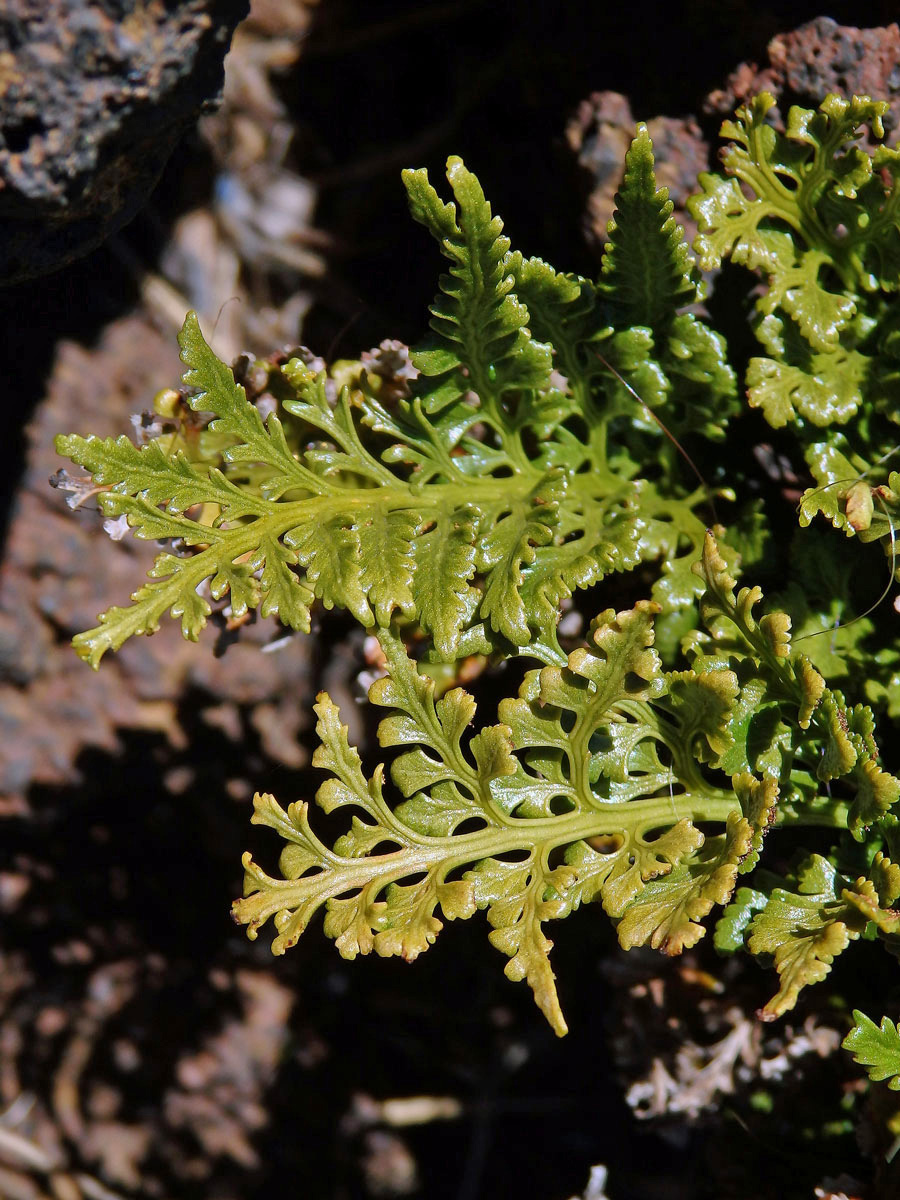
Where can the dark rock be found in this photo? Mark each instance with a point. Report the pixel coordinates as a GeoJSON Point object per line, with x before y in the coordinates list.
{"type": "Point", "coordinates": [94, 95]}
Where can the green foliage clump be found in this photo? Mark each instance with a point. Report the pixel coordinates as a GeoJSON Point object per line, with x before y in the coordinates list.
{"type": "Point", "coordinates": [499, 467]}
{"type": "Point", "coordinates": [878, 1050]}
{"type": "Point", "coordinates": [817, 216]}
{"type": "Point", "coordinates": [541, 451]}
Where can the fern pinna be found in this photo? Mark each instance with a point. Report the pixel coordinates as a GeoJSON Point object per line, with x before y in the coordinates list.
{"type": "Point", "coordinates": [458, 514]}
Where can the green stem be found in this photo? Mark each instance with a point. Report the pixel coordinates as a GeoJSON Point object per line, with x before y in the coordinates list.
{"type": "Point", "coordinates": [442, 855]}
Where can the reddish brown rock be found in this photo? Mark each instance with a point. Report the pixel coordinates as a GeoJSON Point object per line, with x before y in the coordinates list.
{"type": "Point", "coordinates": [804, 66]}
{"type": "Point", "coordinates": [821, 57]}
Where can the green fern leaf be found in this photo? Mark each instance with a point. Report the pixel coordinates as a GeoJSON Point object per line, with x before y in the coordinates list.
{"type": "Point", "coordinates": [876, 1049]}
{"type": "Point", "coordinates": [509, 549]}
{"type": "Point", "coordinates": [474, 507]}
{"type": "Point", "coordinates": [277, 528]}
{"type": "Point", "coordinates": [565, 313]}
{"type": "Point", "coordinates": [445, 561]}
{"type": "Point", "coordinates": [835, 474]}
{"type": "Point", "coordinates": [806, 181]}
{"type": "Point", "coordinates": [863, 896]}
{"type": "Point", "coordinates": [591, 788]}
{"type": "Point", "coordinates": [648, 274]}
{"type": "Point", "coordinates": [732, 926]}
{"type": "Point", "coordinates": [804, 931]}
{"type": "Point", "coordinates": [668, 912]}
{"type": "Point", "coordinates": [823, 388]}
{"type": "Point", "coordinates": [481, 327]}
{"type": "Point", "coordinates": [536, 784]}
{"type": "Point", "coordinates": [519, 898]}
{"type": "Point", "coordinates": [831, 740]}
{"type": "Point", "coordinates": [648, 271]}
{"type": "Point", "coordinates": [819, 217]}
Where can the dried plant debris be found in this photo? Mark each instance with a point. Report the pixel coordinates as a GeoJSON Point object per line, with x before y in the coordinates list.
{"type": "Point", "coordinates": [596, 1185]}
{"type": "Point", "coordinates": [248, 256]}
{"type": "Point", "coordinates": [220, 1089]}
{"type": "Point", "coordinates": [698, 1076]}
{"type": "Point", "coordinates": [845, 1187]}
{"type": "Point", "coordinates": [90, 1055]}
{"type": "Point", "coordinates": [391, 364]}
{"type": "Point", "coordinates": [683, 1043]}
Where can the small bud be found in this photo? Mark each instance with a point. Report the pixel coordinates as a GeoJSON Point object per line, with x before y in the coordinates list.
{"type": "Point", "coordinates": [860, 506]}
{"type": "Point", "coordinates": [166, 402]}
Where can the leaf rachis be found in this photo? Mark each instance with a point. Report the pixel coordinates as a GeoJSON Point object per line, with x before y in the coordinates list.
{"type": "Point", "coordinates": [668, 433]}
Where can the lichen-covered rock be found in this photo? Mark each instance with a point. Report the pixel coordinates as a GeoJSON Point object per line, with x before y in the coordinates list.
{"type": "Point", "coordinates": [94, 95]}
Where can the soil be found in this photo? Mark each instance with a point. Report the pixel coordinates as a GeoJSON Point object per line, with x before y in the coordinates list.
{"type": "Point", "coordinates": [146, 1047]}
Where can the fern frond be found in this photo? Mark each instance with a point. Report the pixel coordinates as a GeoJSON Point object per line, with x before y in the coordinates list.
{"type": "Point", "coordinates": [648, 277]}
{"type": "Point", "coordinates": [571, 782]}
{"type": "Point", "coordinates": [476, 506]}
{"type": "Point", "coordinates": [840, 743]}
{"type": "Point", "coordinates": [525, 460]}
{"type": "Point", "coordinates": [876, 1049]}
{"type": "Point", "coordinates": [566, 313]}
{"type": "Point", "coordinates": [277, 528]}
{"type": "Point", "coordinates": [482, 337]}
{"type": "Point", "coordinates": [804, 931]}
{"type": "Point", "coordinates": [819, 217]}
{"type": "Point", "coordinates": [648, 272]}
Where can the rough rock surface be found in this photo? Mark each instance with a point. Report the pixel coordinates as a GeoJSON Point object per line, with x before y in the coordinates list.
{"type": "Point", "coordinates": [818, 58]}
{"type": "Point", "coordinates": [804, 66]}
{"type": "Point", "coordinates": [94, 95]}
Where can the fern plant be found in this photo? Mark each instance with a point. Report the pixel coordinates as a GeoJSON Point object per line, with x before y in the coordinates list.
{"type": "Point", "coordinates": [498, 467]}
{"type": "Point", "coordinates": [817, 217]}
{"type": "Point", "coordinates": [541, 450]}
